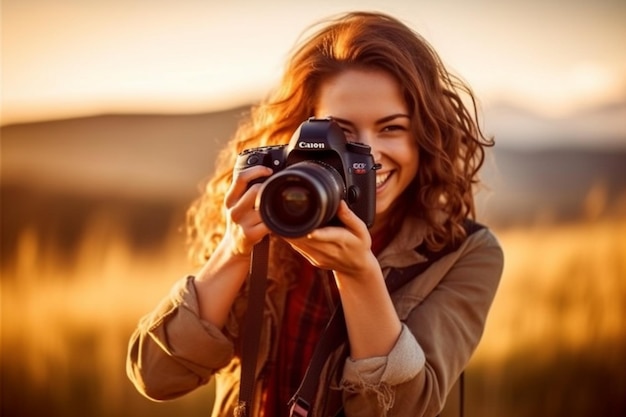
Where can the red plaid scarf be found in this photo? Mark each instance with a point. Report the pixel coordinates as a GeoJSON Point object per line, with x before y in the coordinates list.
{"type": "Point", "coordinates": [309, 307]}
{"type": "Point", "coordinates": [307, 311]}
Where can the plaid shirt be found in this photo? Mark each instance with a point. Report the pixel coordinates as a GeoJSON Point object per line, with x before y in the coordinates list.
{"type": "Point", "coordinates": [309, 307]}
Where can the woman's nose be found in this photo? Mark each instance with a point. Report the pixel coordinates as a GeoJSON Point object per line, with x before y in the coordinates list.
{"type": "Point", "coordinates": [377, 155]}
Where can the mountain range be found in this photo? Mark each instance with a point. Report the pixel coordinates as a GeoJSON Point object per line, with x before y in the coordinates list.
{"type": "Point", "coordinates": [68, 167]}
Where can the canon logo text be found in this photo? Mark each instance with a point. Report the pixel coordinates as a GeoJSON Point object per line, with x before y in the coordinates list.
{"type": "Point", "coordinates": [312, 145]}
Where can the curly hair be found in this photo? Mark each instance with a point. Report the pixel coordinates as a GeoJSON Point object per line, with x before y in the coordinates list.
{"type": "Point", "coordinates": [443, 111]}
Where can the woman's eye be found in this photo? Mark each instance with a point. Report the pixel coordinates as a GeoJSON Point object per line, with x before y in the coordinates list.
{"type": "Point", "coordinates": [392, 128]}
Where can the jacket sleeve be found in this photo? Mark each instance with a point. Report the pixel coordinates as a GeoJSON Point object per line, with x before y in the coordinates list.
{"type": "Point", "coordinates": [444, 325]}
{"type": "Point", "coordinates": [172, 351]}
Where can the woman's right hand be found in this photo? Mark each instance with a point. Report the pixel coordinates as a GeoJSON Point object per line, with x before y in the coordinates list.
{"type": "Point", "coordinates": [219, 280]}
{"type": "Point", "coordinates": [244, 227]}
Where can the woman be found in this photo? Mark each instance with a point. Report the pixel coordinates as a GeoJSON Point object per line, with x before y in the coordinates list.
{"type": "Point", "coordinates": [388, 89]}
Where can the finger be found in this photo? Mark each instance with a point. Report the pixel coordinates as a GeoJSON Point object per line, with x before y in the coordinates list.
{"type": "Point", "coordinates": [350, 220]}
{"type": "Point", "coordinates": [241, 181]}
{"type": "Point", "coordinates": [248, 231]}
{"type": "Point", "coordinates": [257, 232]}
{"type": "Point", "coordinates": [243, 211]}
{"type": "Point", "coordinates": [309, 254]}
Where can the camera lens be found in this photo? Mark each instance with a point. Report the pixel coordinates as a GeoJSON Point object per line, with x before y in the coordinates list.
{"type": "Point", "coordinates": [301, 198]}
{"type": "Point", "coordinates": [296, 201]}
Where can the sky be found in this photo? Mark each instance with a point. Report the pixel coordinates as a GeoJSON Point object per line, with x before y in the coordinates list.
{"type": "Point", "coordinates": [68, 58]}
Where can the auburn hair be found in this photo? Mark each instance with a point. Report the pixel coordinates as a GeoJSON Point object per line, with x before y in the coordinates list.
{"type": "Point", "coordinates": [443, 111]}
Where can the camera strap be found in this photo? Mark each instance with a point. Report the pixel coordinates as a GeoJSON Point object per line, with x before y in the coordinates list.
{"type": "Point", "coordinates": [253, 324]}
{"type": "Point", "coordinates": [335, 332]}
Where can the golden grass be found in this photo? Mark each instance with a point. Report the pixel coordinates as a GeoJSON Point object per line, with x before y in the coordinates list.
{"type": "Point", "coordinates": [66, 324]}
{"type": "Point", "coordinates": [563, 287]}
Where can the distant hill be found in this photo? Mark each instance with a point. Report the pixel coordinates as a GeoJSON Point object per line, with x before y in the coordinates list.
{"type": "Point", "coordinates": [58, 172]}
{"type": "Point", "coordinates": [553, 184]}
{"type": "Point", "coordinates": [139, 156]}
{"type": "Point", "coordinates": [593, 127]}
{"type": "Point", "coordinates": [168, 156]}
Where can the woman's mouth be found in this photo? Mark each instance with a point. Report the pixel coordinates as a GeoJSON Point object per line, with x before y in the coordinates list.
{"type": "Point", "coordinates": [382, 178]}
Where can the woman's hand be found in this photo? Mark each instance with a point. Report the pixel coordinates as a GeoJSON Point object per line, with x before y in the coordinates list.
{"type": "Point", "coordinates": [244, 227]}
{"type": "Point", "coordinates": [344, 249]}
{"type": "Point", "coordinates": [219, 280]}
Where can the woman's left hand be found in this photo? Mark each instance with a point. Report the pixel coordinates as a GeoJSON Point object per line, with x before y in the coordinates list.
{"type": "Point", "coordinates": [346, 250]}
{"type": "Point", "coordinates": [343, 249]}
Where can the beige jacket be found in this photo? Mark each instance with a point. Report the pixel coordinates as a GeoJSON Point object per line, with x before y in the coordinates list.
{"type": "Point", "coordinates": [443, 312]}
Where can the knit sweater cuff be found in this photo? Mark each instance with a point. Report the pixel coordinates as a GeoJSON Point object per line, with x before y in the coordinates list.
{"type": "Point", "coordinates": [405, 360]}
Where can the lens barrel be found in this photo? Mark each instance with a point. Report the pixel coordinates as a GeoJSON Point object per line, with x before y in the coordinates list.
{"type": "Point", "coordinates": [301, 198]}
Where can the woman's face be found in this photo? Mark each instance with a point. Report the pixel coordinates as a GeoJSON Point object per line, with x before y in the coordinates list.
{"type": "Point", "coordinates": [370, 108]}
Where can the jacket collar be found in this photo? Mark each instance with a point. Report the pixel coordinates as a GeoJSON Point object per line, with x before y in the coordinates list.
{"type": "Point", "coordinates": [401, 250]}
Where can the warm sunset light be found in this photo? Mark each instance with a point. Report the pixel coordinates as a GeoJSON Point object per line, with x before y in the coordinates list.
{"type": "Point", "coordinates": [561, 93]}
{"type": "Point", "coordinates": [62, 59]}
{"type": "Point", "coordinates": [112, 116]}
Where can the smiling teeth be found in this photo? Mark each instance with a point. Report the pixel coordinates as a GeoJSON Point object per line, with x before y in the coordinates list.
{"type": "Point", "coordinates": [382, 178]}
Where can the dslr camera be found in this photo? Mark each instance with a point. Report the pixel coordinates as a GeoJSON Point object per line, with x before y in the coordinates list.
{"type": "Point", "coordinates": [317, 169]}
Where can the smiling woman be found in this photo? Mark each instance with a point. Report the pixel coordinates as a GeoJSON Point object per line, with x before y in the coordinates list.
{"type": "Point", "coordinates": [77, 272]}
{"type": "Point", "coordinates": [371, 109]}
{"type": "Point", "coordinates": [389, 91]}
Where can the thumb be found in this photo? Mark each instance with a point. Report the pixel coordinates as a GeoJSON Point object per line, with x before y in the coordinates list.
{"type": "Point", "coordinates": [348, 217]}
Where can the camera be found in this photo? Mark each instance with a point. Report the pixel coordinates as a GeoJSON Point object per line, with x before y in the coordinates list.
{"type": "Point", "coordinates": [317, 169]}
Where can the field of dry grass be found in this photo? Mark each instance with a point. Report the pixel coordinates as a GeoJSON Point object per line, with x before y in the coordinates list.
{"type": "Point", "coordinates": [554, 344]}
{"type": "Point", "coordinates": [555, 340]}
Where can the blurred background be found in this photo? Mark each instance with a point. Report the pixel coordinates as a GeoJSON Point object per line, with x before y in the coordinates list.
{"type": "Point", "coordinates": [112, 113]}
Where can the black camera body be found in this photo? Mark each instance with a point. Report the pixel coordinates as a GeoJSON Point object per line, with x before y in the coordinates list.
{"type": "Point", "coordinates": [312, 174]}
